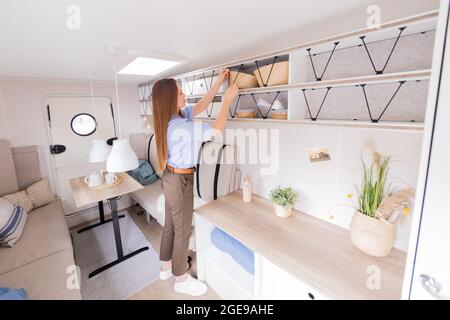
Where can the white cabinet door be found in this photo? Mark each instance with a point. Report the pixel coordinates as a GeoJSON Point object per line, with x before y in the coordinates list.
{"type": "Point", "coordinates": [428, 276]}
{"type": "Point", "coordinates": [277, 284]}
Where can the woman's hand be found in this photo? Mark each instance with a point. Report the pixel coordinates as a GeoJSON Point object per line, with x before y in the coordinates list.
{"type": "Point", "coordinates": [224, 74]}
{"type": "Point", "coordinates": [230, 94]}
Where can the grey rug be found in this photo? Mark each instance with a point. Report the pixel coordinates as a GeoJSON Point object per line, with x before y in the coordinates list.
{"type": "Point", "coordinates": [96, 247]}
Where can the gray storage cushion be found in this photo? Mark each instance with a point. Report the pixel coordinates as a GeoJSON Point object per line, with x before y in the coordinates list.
{"type": "Point", "coordinates": [216, 172]}
{"type": "Point", "coordinates": [138, 142]}
{"type": "Point", "coordinates": [26, 161]}
{"type": "Point", "coordinates": [140, 145]}
{"type": "Point", "coordinates": [8, 178]}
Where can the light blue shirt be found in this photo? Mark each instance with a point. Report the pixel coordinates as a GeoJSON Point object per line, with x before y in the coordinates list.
{"type": "Point", "coordinates": [184, 138]}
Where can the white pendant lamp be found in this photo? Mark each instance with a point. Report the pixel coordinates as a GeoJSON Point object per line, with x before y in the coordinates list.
{"type": "Point", "coordinates": [99, 151]}
{"type": "Point", "coordinates": [122, 157]}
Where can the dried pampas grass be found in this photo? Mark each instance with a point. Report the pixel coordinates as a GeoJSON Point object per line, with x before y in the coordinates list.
{"type": "Point", "coordinates": [391, 207]}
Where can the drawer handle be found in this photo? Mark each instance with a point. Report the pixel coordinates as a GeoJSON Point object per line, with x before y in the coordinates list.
{"type": "Point", "coordinates": [311, 296]}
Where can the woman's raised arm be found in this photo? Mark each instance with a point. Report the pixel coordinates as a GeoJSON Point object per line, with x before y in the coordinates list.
{"type": "Point", "coordinates": [227, 100]}
{"type": "Point", "coordinates": [209, 96]}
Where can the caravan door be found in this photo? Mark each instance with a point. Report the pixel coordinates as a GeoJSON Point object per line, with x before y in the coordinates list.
{"type": "Point", "coordinates": [427, 275]}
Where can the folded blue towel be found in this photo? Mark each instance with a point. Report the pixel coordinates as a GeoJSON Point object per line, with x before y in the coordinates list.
{"type": "Point", "coordinates": [12, 294]}
{"type": "Point", "coordinates": [239, 252]}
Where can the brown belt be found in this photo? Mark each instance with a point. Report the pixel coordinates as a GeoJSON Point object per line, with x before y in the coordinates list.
{"type": "Point", "coordinates": [180, 170]}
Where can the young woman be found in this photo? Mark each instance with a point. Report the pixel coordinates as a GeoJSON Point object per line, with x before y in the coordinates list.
{"type": "Point", "coordinates": [176, 139]}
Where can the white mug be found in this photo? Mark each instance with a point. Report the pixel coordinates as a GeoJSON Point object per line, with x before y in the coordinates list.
{"type": "Point", "coordinates": [94, 179]}
{"type": "Point", "coordinates": [110, 178]}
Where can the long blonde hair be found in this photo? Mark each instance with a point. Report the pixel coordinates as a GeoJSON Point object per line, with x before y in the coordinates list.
{"type": "Point", "coordinates": [164, 101]}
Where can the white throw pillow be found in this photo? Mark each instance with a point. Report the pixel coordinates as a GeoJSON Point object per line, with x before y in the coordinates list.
{"type": "Point", "coordinates": [40, 193]}
{"type": "Point", "coordinates": [20, 199]}
{"type": "Point", "coordinates": [12, 223]}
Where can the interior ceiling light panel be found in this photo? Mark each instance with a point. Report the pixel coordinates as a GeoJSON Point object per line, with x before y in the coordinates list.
{"type": "Point", "coordinates": [148, 66]}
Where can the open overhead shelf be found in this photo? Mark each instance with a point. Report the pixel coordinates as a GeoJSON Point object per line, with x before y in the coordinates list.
{"type": "Point", "coordinates": [418, 75]}
{"type": "Point", "coordinates": [423, 22]}
{"type": "Point", "coordinates": [305, 54]}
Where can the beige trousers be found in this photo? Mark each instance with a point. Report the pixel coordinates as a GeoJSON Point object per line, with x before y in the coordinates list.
{"type": "Point", "coordinates": [179, 195]}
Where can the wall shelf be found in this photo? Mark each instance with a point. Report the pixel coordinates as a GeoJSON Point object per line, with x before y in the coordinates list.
{"type": "Point", "coordinates": [417, 23]}
{"type": "Point", "coordinates": [384, 125]}
{"type": "Point", "coordinates": [419, 75]}
{"type": "Point", "coordinates": [396, 30]}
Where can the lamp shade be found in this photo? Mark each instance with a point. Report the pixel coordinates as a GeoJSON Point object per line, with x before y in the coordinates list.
{"type": "Point", "coordinates": [99, 151]}
{"type": "Point", "coordinates": [122, 158]}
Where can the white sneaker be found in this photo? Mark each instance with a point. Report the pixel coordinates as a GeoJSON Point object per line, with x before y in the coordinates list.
{"type": "Point", "coordinates": [165, 275]}
{"type": "Point", "coordinates": [191, 286]}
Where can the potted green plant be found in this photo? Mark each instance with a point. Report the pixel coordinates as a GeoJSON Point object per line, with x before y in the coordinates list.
{"type": "Point", "coordinates": [372, 229]}
{"type": "Point", "coordinates": [283, 200]}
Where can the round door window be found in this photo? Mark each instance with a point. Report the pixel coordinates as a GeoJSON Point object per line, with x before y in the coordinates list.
{"type": "Point", "coordinates": [83, 124]}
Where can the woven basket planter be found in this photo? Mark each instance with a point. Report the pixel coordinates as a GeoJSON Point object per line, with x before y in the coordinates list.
{"type": "Point", "coordinates": [372, 236]}
{"type": "Point", "coordinates": [243, 80]}
{"type": "Point", "coordinates": [279, 75]}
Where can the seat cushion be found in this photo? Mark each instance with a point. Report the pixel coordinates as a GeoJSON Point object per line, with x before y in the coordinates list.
{"type": "Point", "coordinates": [45, 233]}
{"type": "Point", "coordinates": [20, 199]}
{"type": "Point", "coordinates": [50, 278]}
{"type": "Point", "coordinates": [151, 198]}
{"type": "Point", "coordinates": [12, 223]}
{"type": "Point", "coordinates": [40, 193]}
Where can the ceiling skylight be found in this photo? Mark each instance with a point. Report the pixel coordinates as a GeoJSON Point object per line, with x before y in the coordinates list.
{"type": "Point", "coordinates": [148, 66]}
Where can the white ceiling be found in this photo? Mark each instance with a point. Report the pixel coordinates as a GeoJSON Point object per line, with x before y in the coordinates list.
{"type": "Point", "coordinates": [35, 42]}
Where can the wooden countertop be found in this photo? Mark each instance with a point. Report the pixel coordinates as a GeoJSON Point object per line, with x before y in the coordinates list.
{"type": "Point", "coordinates": [85, 195]}
{"type": "Point", "coordinates": [318, 253]}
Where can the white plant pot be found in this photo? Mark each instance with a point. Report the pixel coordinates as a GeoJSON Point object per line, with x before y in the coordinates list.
{"type": "Point", "coordinates": [282, 212]}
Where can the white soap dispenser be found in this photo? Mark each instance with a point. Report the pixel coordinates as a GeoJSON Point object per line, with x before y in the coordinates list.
{"type": "Point", "coordinates": [247, 189]}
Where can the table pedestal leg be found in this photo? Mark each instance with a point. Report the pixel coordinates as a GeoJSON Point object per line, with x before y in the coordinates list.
{"type": "Point", "coordinates": [118, 240]}
{"type": "Point", "coordinates": [101, 212]}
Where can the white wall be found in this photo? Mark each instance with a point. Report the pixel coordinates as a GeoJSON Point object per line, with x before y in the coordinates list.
{"type": "Point", "coordinates": [22, 110]}
{"type": "Point", "coordinates": [24, 100]}
{"type": "Point", "coordinates": [344, 22]}
{"type": "Point", "coordinates": [321, 185]}
{"type": "Point", "coordinates": [3, 122]}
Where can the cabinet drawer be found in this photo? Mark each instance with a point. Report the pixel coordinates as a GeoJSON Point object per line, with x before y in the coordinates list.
{"type": "Point", "coordinates": [279, 284]}
{"type": "Point", "coordinates": [226, 287]}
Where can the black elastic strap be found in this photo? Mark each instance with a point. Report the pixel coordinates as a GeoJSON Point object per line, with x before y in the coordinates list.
{"type": "Point", "coordinates": [363, 86]}
{"type": "Point", "coordinates": [216, 174]}
{"type": "Point", "coordinates": [197, 170]}
{"type": "Point", "coordinates": [148, 151]}
{"type": "Point", "coordinates": [381, 71]}
{"type": "Point", "coordinates": [319, 78]}
{"type": "Point", "coordinates": [235, 108]}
